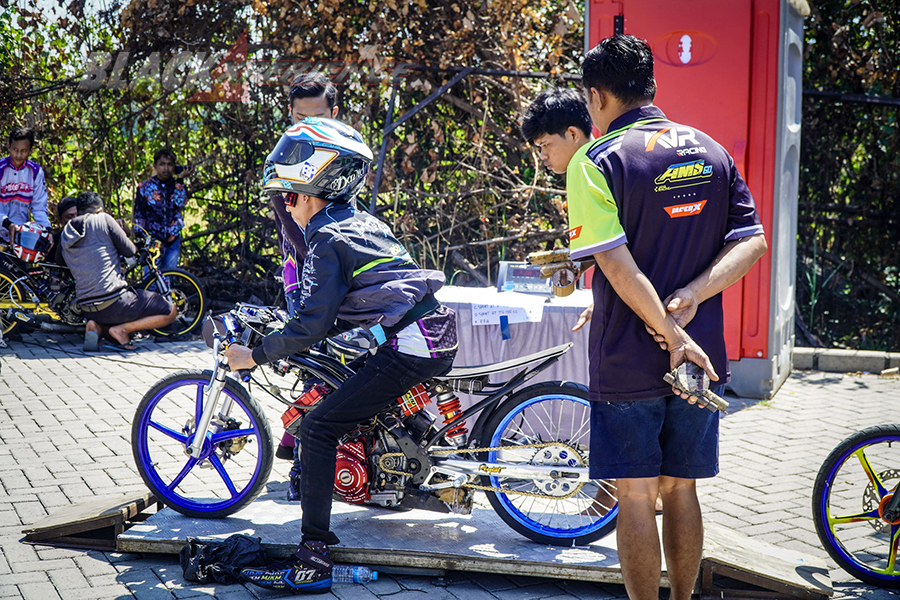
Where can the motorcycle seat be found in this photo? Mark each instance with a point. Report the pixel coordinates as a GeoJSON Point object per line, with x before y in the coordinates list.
{"type": "Point", "coordinates": [479, 371]}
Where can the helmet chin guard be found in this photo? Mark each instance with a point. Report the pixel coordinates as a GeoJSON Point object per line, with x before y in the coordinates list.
{"type": "Point", "coordinates": [319, 157]}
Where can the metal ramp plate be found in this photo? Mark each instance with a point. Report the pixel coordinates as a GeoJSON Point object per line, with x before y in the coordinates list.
{"type": "Point", "coordinates": [480, 542]}
{"type": "Point", "coordinates": [93, 524]}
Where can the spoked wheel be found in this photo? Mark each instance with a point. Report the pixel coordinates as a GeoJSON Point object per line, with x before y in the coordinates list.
{"type": "Point", "coordinates": [551, 511]}
{"type": "Point", "coordinates": [852, 488]}
{"type": "Point", "coordinates": [189, 297]}
{"type": "Point", "coordinates": [11, 295]}
{"type": "Point", "coordinates": [237, 453]}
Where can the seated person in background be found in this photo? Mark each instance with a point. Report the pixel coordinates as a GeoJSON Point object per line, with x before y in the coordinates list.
{"type": "Point", "coordinates": [93, 245]}
{"type": "Point", "coordinates": [22, 187]}
{"type": "Point", "coordinates": [66, 211]}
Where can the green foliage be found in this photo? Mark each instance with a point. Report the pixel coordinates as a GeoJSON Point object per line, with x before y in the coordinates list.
{"type": "Point", "coordinates": [848, 293]}
{"type": "Point", "coordinates": [458, 172]}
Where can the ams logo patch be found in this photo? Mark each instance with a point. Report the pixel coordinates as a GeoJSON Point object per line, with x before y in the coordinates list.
{"type": "Point", "coordinates": [685, 210]}
{"type": "Point", "coordinates": [682, 175]}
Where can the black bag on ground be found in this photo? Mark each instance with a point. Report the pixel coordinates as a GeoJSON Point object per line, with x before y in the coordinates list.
{"type": "Point", "coordinates": [221, 561]}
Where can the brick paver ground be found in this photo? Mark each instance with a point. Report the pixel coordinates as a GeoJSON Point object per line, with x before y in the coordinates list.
{"type": "Point", "coordinates": [65, 421]}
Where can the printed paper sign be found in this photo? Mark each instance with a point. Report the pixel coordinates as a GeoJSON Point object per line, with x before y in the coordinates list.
{"type": "Point", "coordinates": [489, 314]}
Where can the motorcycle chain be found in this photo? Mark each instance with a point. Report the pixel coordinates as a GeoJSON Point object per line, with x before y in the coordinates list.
{"type": "Point", "coordinates": [484, 488]}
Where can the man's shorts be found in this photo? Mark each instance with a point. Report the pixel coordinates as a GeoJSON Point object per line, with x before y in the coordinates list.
{"type": "Point", "coordinates": [647, 438]}
{"type": "Point", "coordinates": [130, 306]}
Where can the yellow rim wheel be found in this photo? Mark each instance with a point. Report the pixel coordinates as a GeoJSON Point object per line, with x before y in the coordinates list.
{"type": "Point", "coordinates": [188, 296]}
{"type": "Point", "coordinates": [9, 293]}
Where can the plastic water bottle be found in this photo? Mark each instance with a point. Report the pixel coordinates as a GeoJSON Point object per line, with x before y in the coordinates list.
{"type": "Point", "coordinates": [349, 574]}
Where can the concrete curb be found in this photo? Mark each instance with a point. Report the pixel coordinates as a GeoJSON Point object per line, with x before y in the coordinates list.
{"type": "Point", "coordinates": [844, 361]}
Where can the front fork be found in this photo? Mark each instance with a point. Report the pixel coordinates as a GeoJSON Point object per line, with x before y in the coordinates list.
{"type": "Point", "coordinates": [162, 284]}
{"type": "Point", "coordinates": [211, 393]}
{"type": "Point", "coordinates": [892, 508]}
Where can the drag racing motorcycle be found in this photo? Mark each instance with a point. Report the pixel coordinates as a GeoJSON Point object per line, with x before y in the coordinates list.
{"type": "Point", "coordinates": [204, 446]}
{"type": "Point", "coordinates": [40, 295]}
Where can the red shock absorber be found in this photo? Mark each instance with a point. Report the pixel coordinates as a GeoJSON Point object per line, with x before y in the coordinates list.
{"type": "Point", "coordinates": [448, 403]}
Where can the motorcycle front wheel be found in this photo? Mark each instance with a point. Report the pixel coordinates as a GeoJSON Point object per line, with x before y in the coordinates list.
{"type": "Point", "coordinates": [556, 418]}
{"type": "Point", "coordinates": [236, 456]}
{"type": "Point", "coordinates": [189, 297]}
{"type": "Point", "coordinates": [852, 489]}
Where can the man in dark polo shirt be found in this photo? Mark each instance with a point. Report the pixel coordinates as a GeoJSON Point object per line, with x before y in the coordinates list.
{"type": "Point", "coordinates": [665, 213]}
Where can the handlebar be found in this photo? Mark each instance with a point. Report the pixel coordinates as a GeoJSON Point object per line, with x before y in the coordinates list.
{"type": "Point", "coordinates": [243, 325]}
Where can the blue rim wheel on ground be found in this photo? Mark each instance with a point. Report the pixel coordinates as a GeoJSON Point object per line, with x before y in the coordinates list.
{"type": "Point", "coordinates": [552, 511]}
{"type": "Point", "coordinates": [852, 488]}
{"type": "Point", "coordinates": [236, 456]}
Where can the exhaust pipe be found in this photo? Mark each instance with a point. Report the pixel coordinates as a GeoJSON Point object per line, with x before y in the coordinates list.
{"type": "Point", "coordinates": [30, 321]}
{"type": "Point", "coordinates": [60, 328]}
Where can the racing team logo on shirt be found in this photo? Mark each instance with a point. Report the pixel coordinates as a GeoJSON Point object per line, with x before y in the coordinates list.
{"type": "Point", "coordinates": [682, 175]}
{"type": "Point", "coordinates": [670, 137]}
{"type": "Point", "coordinates": [685, 210]}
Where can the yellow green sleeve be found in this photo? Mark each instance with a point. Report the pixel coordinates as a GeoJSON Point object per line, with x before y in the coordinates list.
{"type": "Point", "coordinates": [594, 224]}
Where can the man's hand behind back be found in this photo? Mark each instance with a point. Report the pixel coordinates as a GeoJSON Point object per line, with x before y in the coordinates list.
{"type": "Point", "coordinates": [681, 306]}
{"type": "Point", "coordinates": [685, 350]}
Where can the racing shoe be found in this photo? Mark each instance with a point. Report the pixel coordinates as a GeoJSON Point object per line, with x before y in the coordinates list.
{"type": "Point", "coordinates": [307, 571]}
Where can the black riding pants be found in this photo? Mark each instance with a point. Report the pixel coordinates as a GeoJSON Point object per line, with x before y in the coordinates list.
{"type": "Point", "coordinates": [382, 379]}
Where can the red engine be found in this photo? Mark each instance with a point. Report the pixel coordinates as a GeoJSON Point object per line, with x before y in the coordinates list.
{"type": "Point", "coordinates": [350, 477]}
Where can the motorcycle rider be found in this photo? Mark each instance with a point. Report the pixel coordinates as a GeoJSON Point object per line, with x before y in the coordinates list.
{"type": "Point", "coordinates": [355, 274]}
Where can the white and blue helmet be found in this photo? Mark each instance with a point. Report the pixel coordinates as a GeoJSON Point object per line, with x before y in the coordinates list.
{"type": "Point", "coordinates": [319, 157]}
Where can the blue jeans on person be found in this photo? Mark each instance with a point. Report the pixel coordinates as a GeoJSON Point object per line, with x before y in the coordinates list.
{"type": "Point", "coordinates": [659, 436]}
{"type": "Point", "coordinates": [383, 378]}
{"type": "Point", "coordinates": [168, 258]}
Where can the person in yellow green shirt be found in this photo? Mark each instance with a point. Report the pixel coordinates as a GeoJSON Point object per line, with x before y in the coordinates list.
{"type": "Point", "coordinates": [664, 213]}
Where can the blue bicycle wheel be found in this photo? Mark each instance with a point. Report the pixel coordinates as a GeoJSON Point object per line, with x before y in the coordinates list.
{"type": "Point", "coordinates": [555, 416]}
{"type": "Point", "coordinates": [852, 488]}
{"type": "Point", "coordinates": [236, 455]}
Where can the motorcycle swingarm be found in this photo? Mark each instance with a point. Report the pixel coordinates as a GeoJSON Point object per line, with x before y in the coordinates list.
{"type": "Point", "coordinates": [464, 467]}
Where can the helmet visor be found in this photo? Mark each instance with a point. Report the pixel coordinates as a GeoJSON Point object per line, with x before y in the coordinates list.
{"type": "Point", "coordinates": [289, 151]}
{"type": "Point", "coordinates": [32, 241]}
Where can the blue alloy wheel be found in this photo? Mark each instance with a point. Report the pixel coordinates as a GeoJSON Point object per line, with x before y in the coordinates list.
{"type": "Point", "coordinates": [548, 424]}
{"type": "Point", "coordinates": [852, 489]}
{"type": "Point", "coordinates": [236, 456]}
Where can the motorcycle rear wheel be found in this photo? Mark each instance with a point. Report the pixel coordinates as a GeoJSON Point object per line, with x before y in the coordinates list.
{"type": "Point", "coordinates": [188, 295]}
{"type": "Point", "coordinates": [544, 413]}
{"type": "Point", "coordinates": [236, 457]}
{"type": "Point", "coordinates": [10, 294]}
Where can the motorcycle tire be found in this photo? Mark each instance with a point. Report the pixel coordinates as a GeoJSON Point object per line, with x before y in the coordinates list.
{"type": "Point", "coordinates": [551, 513]}
{"type": "Point", "coordinates": [851, 490]}
{"type": "Point", "coordinates": [236, 457]}
{"type": "Point", "coordinates": [188, 294]}
{"type": "Point", "coordinates": [11, 294]}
